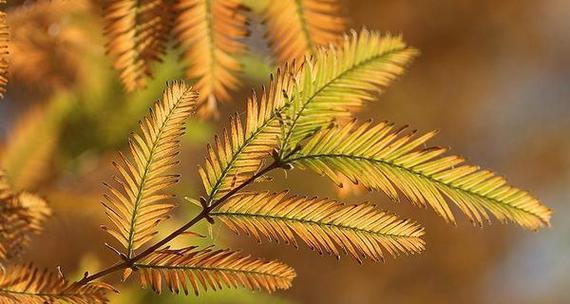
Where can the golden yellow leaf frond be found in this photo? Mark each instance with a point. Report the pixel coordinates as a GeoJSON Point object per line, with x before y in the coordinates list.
{"type": "Point", "coordinates": [380, 157]}
{"type": "Point", "coordinates": [28, 284]}
{"type": "Point", "coordinates": [209, 32]}
{"type": "Point", "coordinates": [338, 81]}
{"type": "Point", "coordinates": [21, 216]}
{"type": "Point", "coordinates": [137, 32]}
{"type": "Point", "coordinates": [211, 269]}
{"type": "Point", "coordinates": [238, 153]}
{"type": "Point", "coordinates": [139, 204]}
{"type": "Point", "coordinates": [340, 84]}
{"type": "Point", "coordinates": [297, 28]}
{"type": "Point", "coordinates": [4, 38]}
{"type": "Point", "coordinates": [29, 148]}
{"type": "Point", "coordinates": [324, 225]}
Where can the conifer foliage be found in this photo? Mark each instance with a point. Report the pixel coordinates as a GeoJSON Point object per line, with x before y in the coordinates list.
{"type": "Point", "coordinates": [302, 119]}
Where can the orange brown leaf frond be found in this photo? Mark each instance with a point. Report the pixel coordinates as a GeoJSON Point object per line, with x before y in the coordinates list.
{"type": "Point", "coordinates": [209, 33]}
{"type": "Point", "coordinates": [21, 216]}
{"type": "Point", "coordinates": [297, 28]}
{"type": "Point", "coordinates": [324, 225]}
{"type": "Point", "coordinates": [137, 33]}
{"type": "Point", "coordinates": [28, 284]}
{"type": "Point", "coordinates": [46, 48]}
{"type": "Point", "coordinates": [196, 270]}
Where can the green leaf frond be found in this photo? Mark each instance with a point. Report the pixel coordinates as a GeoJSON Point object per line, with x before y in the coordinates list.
{"type": "Point", "coordinates": [339, 80]}
{"type": "Point", "coordinates": [381, 157]}
{"type": "Point", "coordinates": [324, 225]}
{"type": "Point", "coordinates": [211, 269]}
{"type": "Point", "coordinates": [327, 87]}
{"type": "Point", "coordinates": [139, 203]}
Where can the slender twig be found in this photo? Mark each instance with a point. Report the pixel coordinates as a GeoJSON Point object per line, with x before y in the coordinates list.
{"type": "Point", "coordinates": [204, 214]}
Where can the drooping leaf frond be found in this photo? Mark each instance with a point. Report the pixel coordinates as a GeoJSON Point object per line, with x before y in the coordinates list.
{"type": "Point", "coordinates": [324, 225]}
{"type": "Point", "coordinates": [21, 216]}
{"type": "Point", "coordinates": [137, 32]}
{"type": "Point", "coordinates": [381, 158]}
{"type": "Point", "coordinates": [28, 284]}
{"type": "Point", "coordinates": [139, 204]}
{"type": "Point", "coordinates": [4, 38]}
{"type": "Point", "coordinates": [211, 269]}
{"type": "Point", "coordinates": [209, 32]}
{"type": "Point", "coordinates": [238, 153]}
{"type": "Point", "coordinates": [338, 81]}
{"type": "Point", "coordinates": [297, 28]}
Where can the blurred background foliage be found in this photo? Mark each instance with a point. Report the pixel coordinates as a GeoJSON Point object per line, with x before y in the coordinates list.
{"type": "Point", "coordinates": [493, 77]}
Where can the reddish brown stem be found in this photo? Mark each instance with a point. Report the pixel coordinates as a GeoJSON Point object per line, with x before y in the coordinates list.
{"type": "Point", "coordinates": [202, 215]}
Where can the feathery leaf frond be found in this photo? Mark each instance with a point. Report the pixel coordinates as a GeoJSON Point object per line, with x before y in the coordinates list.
{"type": "Point", "coordinates": [27, 284]}
{"type": "Point", "coordinates": [298, 27]}
{"type": "Point", "coordinates": [4, 38]}
{"type": "Point", "coordinates": [20, 220]}
{"type": "Point", "coordinates": [340, 86]}
{"type": "Point", "coordinates": [338, 81]}
{"type": "Point", "coordinates": [324, 225]}
{"type": "Point", "coordinates": [29, 148]}
{"type": "Point", "coordinates": [211, 269]}
{"type": "Point", "coordinates": [21, 216]}
{"type": "Point", "coordinates": [238, 153]}
{"type": "Point", "coordinates": [137, 31]}
{"type": "Point", "coordinates": [209, 32]}
{"type": "Point", "coordinates": [381, 158]}
{"type": "Point", "coordinates": [138, 205]}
